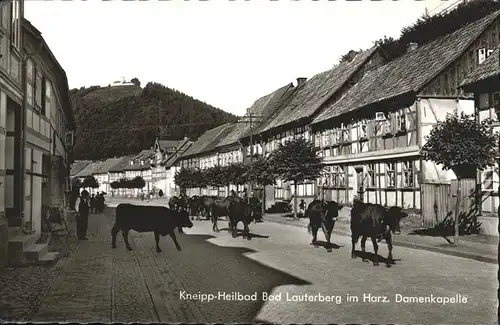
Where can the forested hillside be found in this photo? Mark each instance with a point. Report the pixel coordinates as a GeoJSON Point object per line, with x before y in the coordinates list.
{"type": "Point", "coordinates": [430, 27]}
{"type": "Point", "coordinates": [120, 120]}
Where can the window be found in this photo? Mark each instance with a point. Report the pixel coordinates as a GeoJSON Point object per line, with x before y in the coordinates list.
{"type": "Point", "coordinates": [362, 130]}
{"type": "Point", "coordinates": [38, 91]}
{"type": "Point", "coordinates": [30, 79]}
{"type": "Point", "coordinates": [408, 178]}
{"type": "Point", "coordinates": [401, 121]}
{"type": "Point", "coordinates": [5, 17]}
{"type": "Point", "coordinates": [48, 98]}
{"type": "Point", "coordinates": [488, 180]}
{"type": "Point", "coordinates": [338, 177]}
{"type": "Point", "coordinates": [387, 125]}
{"type": "Point", "coordinates": [16, 24]}
{"type": "Point", "coordinates": [371, 176]}
{"type": "Point", "coordinates": [391, 175]}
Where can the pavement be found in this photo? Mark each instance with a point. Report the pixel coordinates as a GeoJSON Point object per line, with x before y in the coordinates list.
{"type": "Point", "coordinates": [474, 247]}
{"type": "Point", "coordinates": [96, 283]}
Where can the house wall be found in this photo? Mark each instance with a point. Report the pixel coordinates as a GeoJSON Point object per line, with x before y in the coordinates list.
{"type": "Point", "coordinates": [488, 180]}
{"type": "Point", "coordinates": [11, 96]}
{"type": "Point", "coordinates": [103, 180]}
{"type": "Point", "coordinates": [382, 156]}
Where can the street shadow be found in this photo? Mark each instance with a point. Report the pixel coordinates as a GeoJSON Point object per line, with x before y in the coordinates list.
{"type": "Point", "coordinates": [239, 233]}
{"type": "Point", "coordinates": [371, 257]}
{"type": "Point", "coordinates": [206, 267]}
{"type": "Point", "coordinates": [325, 245]}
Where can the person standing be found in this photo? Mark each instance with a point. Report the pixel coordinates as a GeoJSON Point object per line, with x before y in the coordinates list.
{"type": "Point", "coordinates": [82, 207]}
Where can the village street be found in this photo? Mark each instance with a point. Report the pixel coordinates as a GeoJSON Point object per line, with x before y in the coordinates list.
{"type": "Point", "coordinates": [99, 284]}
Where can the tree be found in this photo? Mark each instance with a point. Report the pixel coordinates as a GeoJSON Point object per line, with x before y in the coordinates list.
{"type": "Point", "coordinates": [136, 182]}
{"type": "Point", "coordinates": [462, 145]}
{"type": "Point", "coordinates": [260, 172]}
{"type": "Point", "coordinates": [214, 176]}
{"type": "Point", "coordinates": [349, 56]}
{"type": "Point", "coordinates": [184, 178]}
{"type": "Point", "coordinates": [136, 82]}
{"type": "Point", "coordinates": [296, 161]}
{"type": "Point", "coordinates": [89, 181]}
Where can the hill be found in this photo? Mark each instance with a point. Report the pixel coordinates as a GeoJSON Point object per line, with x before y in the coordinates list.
{"type": "Point", "coordinates": [121, 120]}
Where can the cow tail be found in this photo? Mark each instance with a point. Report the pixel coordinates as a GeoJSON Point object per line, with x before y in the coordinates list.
{"type": "Point", "coordinates": [309, 228]}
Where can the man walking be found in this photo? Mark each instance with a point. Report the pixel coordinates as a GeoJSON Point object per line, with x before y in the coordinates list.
{"type": "Point", "coordinates": [82, 207]}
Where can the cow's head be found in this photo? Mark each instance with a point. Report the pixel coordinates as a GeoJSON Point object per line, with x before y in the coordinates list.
{"type": "Point", "coordinates": [393, 217]}
{"type": "Point", "coordinates": [332, 209]}
{"type": "Point", "coordinates": [184, 220]}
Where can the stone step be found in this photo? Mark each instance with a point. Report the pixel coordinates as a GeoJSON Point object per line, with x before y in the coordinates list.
{"type": "Point", "coordinates": [49, 258]}
{"type": "Point", "coordinates": [21, 242]}
{"type": "Point", "coordinates": [34, 252]}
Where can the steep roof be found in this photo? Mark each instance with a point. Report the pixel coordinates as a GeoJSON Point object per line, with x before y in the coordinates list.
{"type": "Point", "coordinates": [106, 165]}
{"type": "Point", "coordinates": [77, 166]}
{"type": "Point", "coordinates": [208, 140]}
{"type": "Point", "coordinates": [489, 68]}
{"type": "Point", "coordinates": [119, 167]}
{"type": "Point", "coordinates": [89, 169]}
{"type": "Point", "coordinates": [166, 144]}
{"type": "Point", "coordinates": [169, 161]}
{"type": "Point", "coordinates": [144, 156]}
{"type": "Point", "coordinates": [408, 73]}
{"type": "Point", "coordinates": [308, 98]}
{"type": "Point", "coordinates": [262, 108]}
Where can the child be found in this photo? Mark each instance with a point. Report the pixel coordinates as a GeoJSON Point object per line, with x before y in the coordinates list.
{"type": "Point", "coordinates": [302, 207]}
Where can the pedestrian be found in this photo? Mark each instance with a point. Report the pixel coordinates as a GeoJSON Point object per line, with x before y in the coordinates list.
{"type": "Point", "coordinates": [233, 193]}
{"type": "Point", "coordinates": [302, 207]}
{"type": "Point", "coordinates": [92, 204]}
{"type": "Point", "coordinates": [160, 193]}
{"type": "Point", "coordinates": [82, 208]}
{"type": "Point", "coordinates": [245, 194]}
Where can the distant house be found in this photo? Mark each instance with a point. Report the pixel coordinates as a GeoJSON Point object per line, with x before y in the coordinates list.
{"type": "Point", "coordinates": [122, 82]}
{"type": "Point", "coordinates": [77, 167]}
{"type": "Point", "coordinates": [201, 154]}
{"type": "Point", "coordinates": [116, 173]}
{"type": "Point", "coordinates": [101, 173]}
{"type": "Point", "coordinates": [371, 137]}
{"type": "Point", "coordinates": [162, 150]}
{"type": "Point", "coordinates": [484, 82]}
{"type": "Point", "coordinates": [140, 165]}
{"type": "Point", "coordinates": [170, 167]}
{"type": "Point", "coordinates": [87, 171]}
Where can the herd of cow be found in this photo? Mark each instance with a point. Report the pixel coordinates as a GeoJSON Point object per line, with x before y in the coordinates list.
{"type": "Point", "coordinates": [367, 220]}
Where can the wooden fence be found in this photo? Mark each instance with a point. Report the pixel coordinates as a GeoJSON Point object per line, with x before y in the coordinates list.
{"type": "Point", "coordinates": [438, 201]}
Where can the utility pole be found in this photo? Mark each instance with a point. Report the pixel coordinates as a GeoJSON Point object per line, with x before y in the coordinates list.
{"type": "Point", "coordinates": [251, 118]}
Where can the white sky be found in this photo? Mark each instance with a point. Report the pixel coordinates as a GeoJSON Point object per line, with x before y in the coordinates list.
{"type": "Point", "coordinates": [225, 53]}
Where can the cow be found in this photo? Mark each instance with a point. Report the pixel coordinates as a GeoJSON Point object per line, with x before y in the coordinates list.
{"type": "Point", "coordinates": [178, 204]}
{"type": "Point", "coordinates": [322, 214]}
{"type": "Point", "coordinates": [206, 205]}
{"type": "Point", "coordinates": [219, 208]}
{"type": "Point", "coordinates": [158, 219]}
{"type": "Point", "coordinates": [256, 209]}
{"type": "Point", "coordinates": [240, 211]}
{"type": "Point", "coordinates": [377, 222]}
{"type": "Point", "coordinates": [195, 206]}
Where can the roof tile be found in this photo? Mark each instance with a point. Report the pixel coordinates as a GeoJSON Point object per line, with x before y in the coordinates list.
{"type": "Point", "coordinates": [410, 72]}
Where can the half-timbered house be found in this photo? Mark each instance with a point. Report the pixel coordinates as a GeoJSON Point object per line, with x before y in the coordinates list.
{"type": "Point", "coordinates": [299, 107]}
{"type": "Point", "coordinates": [371, 137]}
{"type": "Point", "coordinates": [484, 82]}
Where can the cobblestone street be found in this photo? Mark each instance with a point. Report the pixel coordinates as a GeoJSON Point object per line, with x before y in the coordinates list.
{"type": "Point", "coordinates": [99, 284]}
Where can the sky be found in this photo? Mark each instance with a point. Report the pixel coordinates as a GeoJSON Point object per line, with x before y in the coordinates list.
{"type": "Point", "coordinates": [225, 53]}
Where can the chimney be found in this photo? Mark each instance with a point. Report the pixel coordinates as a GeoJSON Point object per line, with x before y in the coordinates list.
{"type": "Point", "coordinates": [301, 81]}
{"type": "Point", "coordinates": [411, 46]}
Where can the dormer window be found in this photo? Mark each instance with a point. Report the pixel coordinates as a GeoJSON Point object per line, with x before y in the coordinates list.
{"type": "Point", "coordinates": [142, 162]}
